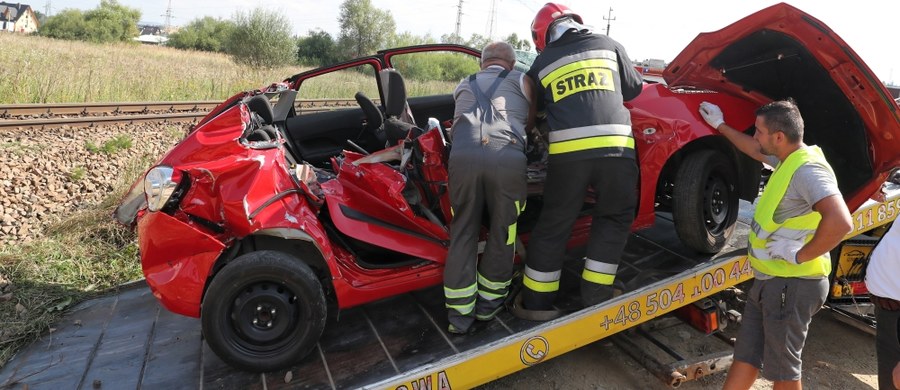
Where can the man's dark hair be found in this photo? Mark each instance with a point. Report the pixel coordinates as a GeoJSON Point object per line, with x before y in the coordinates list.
{"type": "Point", "coordinates": [783, 116]}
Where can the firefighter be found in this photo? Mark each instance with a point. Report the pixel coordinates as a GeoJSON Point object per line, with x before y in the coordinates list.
{"type": "Point", "coordinates": [487, 173]}
{"type": "Point", "coordinates": [581, 80]}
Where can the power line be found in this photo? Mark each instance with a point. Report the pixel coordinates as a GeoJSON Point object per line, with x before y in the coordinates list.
{"type": "Point", "coordinates": [608, 20]}
{"type": "Point", "coordinates": [169, 18]}
{"type": "Point", "coordinates": [458, 19]}
{"type": "Point", "coordinates": [492, 19]}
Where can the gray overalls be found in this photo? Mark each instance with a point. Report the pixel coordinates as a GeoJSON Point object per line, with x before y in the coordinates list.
{"type": "Point", "coordinates": [487, 171]}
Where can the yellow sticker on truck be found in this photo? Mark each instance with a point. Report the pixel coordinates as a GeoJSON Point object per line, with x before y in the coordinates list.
{"type": "Point", "coordinates": [875, 214]}
{"type": "Point", "coordinates": [546, 341]}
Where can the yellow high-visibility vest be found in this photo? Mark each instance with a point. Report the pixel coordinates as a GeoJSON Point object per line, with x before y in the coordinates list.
{"type": "Point", "coordinates": [800, 228]}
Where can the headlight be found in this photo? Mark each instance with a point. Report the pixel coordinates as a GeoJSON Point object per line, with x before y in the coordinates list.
{"type": "Point", "coordinates": [159, 185]}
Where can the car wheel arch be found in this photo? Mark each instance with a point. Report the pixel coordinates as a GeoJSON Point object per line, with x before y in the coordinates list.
{"type": "Point", "coordinates": [293, 242]}
{"type": "Point", "coordinates": [748, 169]}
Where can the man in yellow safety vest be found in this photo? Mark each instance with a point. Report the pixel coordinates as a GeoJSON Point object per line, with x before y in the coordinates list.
{"type": "Point", "coordinates": [800, 217]}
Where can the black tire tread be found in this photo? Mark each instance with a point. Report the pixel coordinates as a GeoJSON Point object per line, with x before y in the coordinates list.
{"type": "Point", "coordinates": [240, 269]}
{"type": "Point", "coordinates": [687, 210]}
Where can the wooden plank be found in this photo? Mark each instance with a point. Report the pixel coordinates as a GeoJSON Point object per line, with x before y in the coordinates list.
{"type": "Point", "coordinates": [217, 374]}
{"type": "Point", "coordinates": [59, 360]}
{"type": "Point", "coordinates": [352, 352]}
{"type": "Point", "coordinates": [173, 361]}
{"type": "Point", "coordinates": [310, 373]}
{"type": "Point", "coordinates": [407, 333]}
{"type": "Point", "coordinates": [119, 359]}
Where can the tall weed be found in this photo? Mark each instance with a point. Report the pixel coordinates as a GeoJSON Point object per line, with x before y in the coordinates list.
{"type": "Point", "coordinates": [43, 70]}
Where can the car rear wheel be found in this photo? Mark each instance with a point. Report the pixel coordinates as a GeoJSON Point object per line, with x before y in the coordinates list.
{"type": "Point", "coordinates": [705, 201]}
{"type": "Point", "coordinates": [263, 311]}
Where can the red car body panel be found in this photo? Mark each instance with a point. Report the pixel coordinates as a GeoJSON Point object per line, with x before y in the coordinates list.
{"type": "Point", "coordinates": [855, 79]}
{"type": "Point", "coordinates": [663, 123]}
{"type": "Point", "coordinates": [177, 263]}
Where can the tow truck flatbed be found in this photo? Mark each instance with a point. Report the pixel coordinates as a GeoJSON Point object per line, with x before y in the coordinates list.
{"type": "Point", "coordinates": [127, 340]}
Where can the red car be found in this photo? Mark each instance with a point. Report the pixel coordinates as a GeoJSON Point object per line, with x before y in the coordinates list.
{"type": "Point", "coordinates": [265, 220]}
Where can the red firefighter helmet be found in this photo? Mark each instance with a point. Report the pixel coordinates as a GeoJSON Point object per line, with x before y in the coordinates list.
{"type": "Point", "coordinates": [548, 14]}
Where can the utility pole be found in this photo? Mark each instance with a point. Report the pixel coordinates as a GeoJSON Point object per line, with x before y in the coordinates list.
{"type": "Point", "coordinates": [47, 9]}
{"type": "Point", "coordinates": [492, 20]}
{"type": "Point", "coordinates": [169, 17]}
{"type": "Point", "coordinates": [608, 20]}
{"type": "Point", "coordinates": [457, 33]}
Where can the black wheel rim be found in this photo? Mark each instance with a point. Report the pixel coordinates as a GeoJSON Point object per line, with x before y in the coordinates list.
{"type": "Point", "coordinates": [264, 317]}
{"type": "Point", "coordinates": [716, 203]}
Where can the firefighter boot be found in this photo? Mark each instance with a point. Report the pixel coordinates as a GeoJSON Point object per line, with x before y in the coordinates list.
{"type": "Point", "coordinates": [593, 293]}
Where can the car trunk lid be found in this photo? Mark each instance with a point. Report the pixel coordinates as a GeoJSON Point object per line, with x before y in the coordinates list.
{"type": "Point", "coordinates": [782, 52]}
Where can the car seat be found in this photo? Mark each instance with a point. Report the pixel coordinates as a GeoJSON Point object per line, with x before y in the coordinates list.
{"type": "Point", "coordinates": [398, 120]}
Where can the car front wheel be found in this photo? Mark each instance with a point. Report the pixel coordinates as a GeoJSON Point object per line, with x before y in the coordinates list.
{"type": "Point", "coordinates": [263, 311]}
{"type": "Point", "coordinates": [705, 201]}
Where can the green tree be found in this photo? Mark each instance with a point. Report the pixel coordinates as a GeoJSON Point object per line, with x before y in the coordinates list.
{"type": "Point", "coordinates": [261, 38]}
{"type": "Point", "coordinates": [109, 22]}
{"type": "Point", "coordinates": [364, 28]}
{"type": "Point", "coordinates": [407, 38]}
{"type": "Point", "coordinates": [204, 34]}
{"type": "Point", "coordinates": [518, 44]}
{"type": "Point", "coordinates": [67, 24]}
{"type": "Point", "coordinates": [478, 41]}
{"type": "Point", "coordinates": [41, 18]}
{"type": "Point", "coordinates": [317, 49]}
{"type": "Point", "coordinates": [452, 38]}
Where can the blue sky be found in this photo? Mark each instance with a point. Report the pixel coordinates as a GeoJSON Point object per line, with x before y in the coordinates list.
{"type": "Point", "coordinates": [648, 29]}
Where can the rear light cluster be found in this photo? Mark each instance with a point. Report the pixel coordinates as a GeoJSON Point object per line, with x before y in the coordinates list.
{"type": "Point", "coordinates": [163, 187]}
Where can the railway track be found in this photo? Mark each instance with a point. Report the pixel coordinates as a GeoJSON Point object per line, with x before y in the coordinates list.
{"type": "Point", "coordinates": [55, 115]}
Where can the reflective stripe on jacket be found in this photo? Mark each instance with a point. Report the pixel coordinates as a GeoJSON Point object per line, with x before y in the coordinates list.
{"type": "Point", "coordinates": [797, 228]}
{"type": "Point", "coordinates": [582, 81]}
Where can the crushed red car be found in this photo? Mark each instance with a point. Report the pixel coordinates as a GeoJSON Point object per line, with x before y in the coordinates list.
{"type": "Point", "coordinates": [266, 220]}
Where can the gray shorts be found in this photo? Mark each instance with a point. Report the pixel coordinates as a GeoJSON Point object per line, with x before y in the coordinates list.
{"type": "Point", "coordinates": [775, 322]}
{"type": "Point", "coordinates": [887, 345]}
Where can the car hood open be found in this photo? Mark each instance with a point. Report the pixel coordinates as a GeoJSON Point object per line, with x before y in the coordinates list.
{"type": "Point", "coordinates": [782, 52]}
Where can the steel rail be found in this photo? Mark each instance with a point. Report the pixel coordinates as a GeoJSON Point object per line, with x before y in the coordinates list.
{"type": "Point", "coordinates": [90, 121]}
{"type": "Point", "coordinates": [55, 109]}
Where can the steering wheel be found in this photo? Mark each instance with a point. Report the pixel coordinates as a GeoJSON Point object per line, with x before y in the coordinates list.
{"type": "Point", "coordinates": [374, 119]}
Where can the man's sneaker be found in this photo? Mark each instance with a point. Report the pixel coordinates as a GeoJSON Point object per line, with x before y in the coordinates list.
{"type": "Point", "coordinates": [454, 330]}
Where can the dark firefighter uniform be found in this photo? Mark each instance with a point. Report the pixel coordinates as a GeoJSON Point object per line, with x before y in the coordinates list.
{"type": "Point", "coordinates": [582, 80]}
{"type": "Point", "coordinates": [487, 172]}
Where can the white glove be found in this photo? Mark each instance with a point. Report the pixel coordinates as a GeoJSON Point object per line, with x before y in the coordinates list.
{"type": "Point", "coordinates": [784, 249]}
{"type": "Point", "coordinates": [712, 114]}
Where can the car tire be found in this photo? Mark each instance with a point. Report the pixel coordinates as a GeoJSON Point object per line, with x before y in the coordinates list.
{"type": "Point", "coordinates": [263, 311]}
{"type": "Point", "coordinates": [705, 201]}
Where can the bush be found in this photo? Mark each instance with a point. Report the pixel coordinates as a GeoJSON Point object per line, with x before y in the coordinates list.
{"type": "Point", "coordinates": [110, 22]}
{"type": "Point", "coordinates": [261, 39]}
{"type": "Point", "coordinates": [204, 34]}
{"type": "Point", "coordinates": [436, 66]}
{"type": "Point", "coordinates": [317, 49]}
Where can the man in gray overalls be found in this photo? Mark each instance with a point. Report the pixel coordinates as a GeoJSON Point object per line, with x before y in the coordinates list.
{"type": "Point", "coordinates": [487, 170]}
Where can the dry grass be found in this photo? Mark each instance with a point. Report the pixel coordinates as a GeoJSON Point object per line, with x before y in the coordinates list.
{"type": "Point", "coordinates": [41, 70]}
{"type": "Point", "coordinates": [80, 257]}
